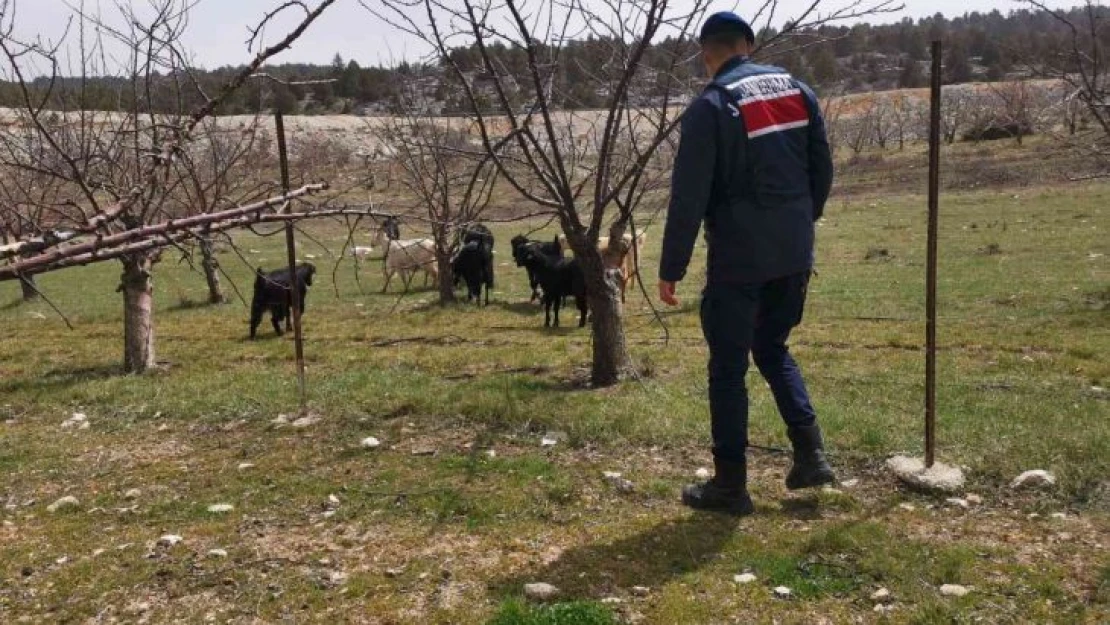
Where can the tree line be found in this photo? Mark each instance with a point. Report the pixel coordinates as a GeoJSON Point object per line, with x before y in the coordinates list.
{"type": "Point", "coordinates": [979, 47]}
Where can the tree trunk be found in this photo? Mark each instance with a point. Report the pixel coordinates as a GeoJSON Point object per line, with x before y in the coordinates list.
{"type": "Point", "coordinates": [138, 312]}
{"type": "Point", "coordinates": [610, 352]}
{"type": "Point", "coordinates": [211, 271]}
{"type": "Point", "coordinates": [446, 278]}
{"type": "Point", "coordinates": [27, 284]}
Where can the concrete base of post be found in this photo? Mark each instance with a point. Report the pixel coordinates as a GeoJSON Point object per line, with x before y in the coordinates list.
{"type": "Point", "coordinates": [940, 477]}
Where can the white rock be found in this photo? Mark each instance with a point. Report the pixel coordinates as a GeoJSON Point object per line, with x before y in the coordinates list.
{"type": "Point", "coordinates": [954, 590]}
{"type": "Point", "coordinates": [1033, 478]}
{"type": "Point", "coordinates": [62, 560]}
{"type": "Point", "coordinates": [782, 591]}
{"type": "Point", "coordinates": [548, 441]}
{"type": "Point", "coordinates": [880, 594]}
{"type": "Point", "coordinates": [641, 591]}
{"type": "Point", "coordinates": [957, 502]}
{"type": "Point", "coordinates": [744, 578]}
{"type": "Point", "coordinates": [611, 600]}
{"type": "Point", "coordinates": [974, 499]}
{"type": "Point", "coordinates": [702, 473]}
{"type": "Point", "coordinates": [610, 475]}
{"type": "Point", "coordinates": [243, 466]}
{"type": "Point", "coordinates": [850, 483]}
{"type": "Point", "coordinates": [97, 552]}
{"type": "Point", "coordinates": [281, 419]}
{"type": "Point", "coordinates": [69, 501]}
{"type": "Point", "coordinates": [1059, 516]}
{"type": "Point", "coordinates": [940, 477]}
{"type": "Point", "coordinates": [306, 421]}
{"type": "Point", "coordinates": [79, 421]}
{"type": "Point", "coordinates": [217, 553]}
{"type": "Point", "coordinates": [169, 540]}
{"type": "Point", "coordinates": [492, 453]}
{"type": "Point", "coordinates": [883, 608]}
{"type": "Point", "coordinates": [133, 493]}
{"type": "Point", "coordinates": [540, 591]}
{"type": "Point", "coordinates": [370, 443]}
{"type": "Point", "coordinates": [220, 507]}
{"type": "Point", "coordinates": [620, 483]}
{"type": "Point", "coordinates": [908, 507]}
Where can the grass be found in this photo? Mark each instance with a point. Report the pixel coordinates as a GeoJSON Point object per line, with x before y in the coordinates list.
{"type": "Point", "coordinates": [461, 505]}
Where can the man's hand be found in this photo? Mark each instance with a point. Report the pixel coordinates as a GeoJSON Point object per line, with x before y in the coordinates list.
{"type": "Point", "coordinates": [666, 293]}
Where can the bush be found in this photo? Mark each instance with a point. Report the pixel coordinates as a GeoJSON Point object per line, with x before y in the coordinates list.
{"type": "Point", "coordinates": [517, 612]}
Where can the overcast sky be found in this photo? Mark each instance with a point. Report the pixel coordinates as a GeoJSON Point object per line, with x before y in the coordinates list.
{"type": "Point", "coordinates": [218, 28]}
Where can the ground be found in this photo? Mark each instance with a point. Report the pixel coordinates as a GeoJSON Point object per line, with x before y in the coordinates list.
{"type": "Point", "coordinates": [462, 504]}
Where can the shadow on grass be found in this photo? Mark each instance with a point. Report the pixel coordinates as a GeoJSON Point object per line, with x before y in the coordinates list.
{"type": "Point", "coordinates": [524, 309]}
{"type": "Point", "coordinates": [651, 558]}
{"type": "Point", "coordinates": [61, 378]}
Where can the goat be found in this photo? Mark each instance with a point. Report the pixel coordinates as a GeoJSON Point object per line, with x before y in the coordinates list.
{"type": "Point", "coordinates": [407, 256]}
{"type": "Point", "coordinates": [625, 258]}
{"type": "Point", "coordinates": [273, 292]}
{"type": "Point", "coordinates": [474, 265]}
{"type": "Point", "coordinates": [520, 243]}
{"type": "Point", "coordinates": [481, 234]}
{"type": "Point", "coordinates": [558, 277]}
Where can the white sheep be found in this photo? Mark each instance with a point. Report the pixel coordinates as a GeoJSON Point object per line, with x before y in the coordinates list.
{"type": "Point", "coordinates": [407, 256]}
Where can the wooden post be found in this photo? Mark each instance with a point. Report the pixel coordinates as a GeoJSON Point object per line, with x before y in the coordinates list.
{"type": "Point", "coordinates": [931, 262]}
{"type": "Point", "coordinates": [291, 251]}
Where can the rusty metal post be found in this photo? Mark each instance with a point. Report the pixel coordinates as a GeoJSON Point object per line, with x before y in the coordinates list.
{"type": "Point", "coordinates": [291, 251]}
{"type": "Point", "coordinates": [931, 263]}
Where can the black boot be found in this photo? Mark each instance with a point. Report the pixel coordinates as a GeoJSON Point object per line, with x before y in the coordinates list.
{"type": "Point", "coordinates": [810, 466]}
{"type": "Point", "coordinates": [726, 492]}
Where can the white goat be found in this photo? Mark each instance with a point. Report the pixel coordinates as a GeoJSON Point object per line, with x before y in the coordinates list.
{"type": "Point", "coordinates": [407, 256]}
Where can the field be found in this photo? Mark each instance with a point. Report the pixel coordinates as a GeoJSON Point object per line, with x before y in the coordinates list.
{"type": "Point", "coordinates": [462, 504]}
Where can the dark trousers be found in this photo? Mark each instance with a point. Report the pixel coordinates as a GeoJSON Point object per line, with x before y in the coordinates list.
{"type": "Point", "coordinates": [756, 318]}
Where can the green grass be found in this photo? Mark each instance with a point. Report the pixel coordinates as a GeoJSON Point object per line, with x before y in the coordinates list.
{"type": "Point", "coordinates": [452, 536]}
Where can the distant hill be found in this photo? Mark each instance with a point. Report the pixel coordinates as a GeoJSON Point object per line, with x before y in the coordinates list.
{"type": "Point", "coordinates": [979, 47]}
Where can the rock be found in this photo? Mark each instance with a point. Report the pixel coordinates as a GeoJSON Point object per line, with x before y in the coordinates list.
{"type": "Point", "coordinates": [281, 419]}
{"type": "Point", "coordinates": [551, 439]}
{"type": "Point", "coordinates": [940, 477]}
{"type": "Point", "coordinates": [69, 501]}
{"type": "Point", "coordinates": [612, 600]}
{"type": "Point", "coordinates": [133, 493]}
{"type": "Point", "coordinates": [702, 473]}
{"type": "Point", "coordinates": [957, 502]}
{"type": "Point", "coordinates": [883, 608]}
{"type": "Point", "coordinates": [540, 591]}
{"type": "Point", "coordinates": [850, 483]}
{"type": "Point", "coordinates": [243, 466]}
{"type": "Point", "coordinates": [97, 552]}
{"type": "Point", "coordinates": [973, 499]}
{"type": "Point", "coordinates": [782, 591]}
{"type": "Point", "coordinates": [79, 421]}
{"type": "Point", "coordinates": [618, 482]}
{"type": "Point", "coordinates": [744, 578]}
{"type": "Point", "coordinates": [62, 560]}
{"type": "Point", "coordinates": [491, 453]}
{"type": "Point", "coordinates": [954, 590]}
{"type": "Point", "coordinates": [306, 421]}
{"type": "Point", "coordinates": [1033, 479]}
{"type": "Point", "coordinates": [1061, 516]}
{"type": "Point", "coordinates": [641, 591]}
{"type": "Point", "coordinates": [424, 451]}
{"type": "Point", "coordinates": [169, 540]}
{"type": "Point", "coordinates": [370, 443]}
{"type": "Point", "coordinates": [217, 553]}
{"type": "Point", "coordinates": [333, 500]}
{"type": "Point", "coordinates": [218, 508]}
{"type": "Point", "coordinates": [880, 595]}
{"type": "Point", "coordinates": [548, 442]}
{"type": "Point", "coordinates": [394, 572]}
{"type": "Point", "coordinates": [908, 507]}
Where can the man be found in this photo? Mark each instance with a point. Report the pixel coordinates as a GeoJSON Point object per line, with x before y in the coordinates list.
{"type": "Point", "coordinates": [753, 164]}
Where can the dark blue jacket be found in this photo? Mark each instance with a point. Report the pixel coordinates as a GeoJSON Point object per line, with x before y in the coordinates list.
{"type": "Point", "coordinates": [753, 162]}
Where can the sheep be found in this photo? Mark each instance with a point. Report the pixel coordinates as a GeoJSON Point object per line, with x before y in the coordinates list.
{"type": "Point", "coordinates": [407, 256]}
{"type": "Point", "coordinates": [273, 293]}
{"type": "Point", "coordinates": [625, 258]}
{"type": "Point", "coordinates": [474, 265]}
{"type": "Point", "coordinates": [559, 277]}
{"type": "Point", "coordinates": [520, 243]}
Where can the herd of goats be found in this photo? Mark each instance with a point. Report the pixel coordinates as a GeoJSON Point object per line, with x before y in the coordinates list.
{"type": "Point", "coordinates": [551, 276]}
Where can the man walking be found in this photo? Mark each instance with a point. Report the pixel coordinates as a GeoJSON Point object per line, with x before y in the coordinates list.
{"type": "Point", "coordinates": [754, 164]}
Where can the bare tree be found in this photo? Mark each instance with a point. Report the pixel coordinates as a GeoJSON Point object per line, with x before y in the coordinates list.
{"type": "Point", "coordinates": [118, 168]}
{"type": "Point", "coordinates": [593, 169]}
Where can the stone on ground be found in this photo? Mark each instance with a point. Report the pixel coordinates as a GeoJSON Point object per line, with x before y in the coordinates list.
{"type": "Point", "coordinates": [370, 443]}
{"type": "Point", "coordinates": [954, 590]}
{"type": "Point", "coordinates": [217, 553]}
{"type": "Point", "coordinates": [169, 540]}
{"type": "Point", "coordinates": [744, 578]}
{"type": "Point", "coordinates": [540, 591]}
{"type": "Point", "coordinates": [782, 591]}
{"type": "Point", "coordinates": [79, 421]}
{"type": "Point", "coordinates": [880, 594]}
{"type": "Point", "coordinates": [220, 507]}
{"type": "Point", "coordinates": [69, 501]}
{"type": "Point", "coordinates": [940, 477]}
{"type": "Point", "coordinates": [1034, 478]}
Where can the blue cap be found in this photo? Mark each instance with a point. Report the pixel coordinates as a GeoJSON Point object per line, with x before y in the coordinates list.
{"type": "Point", "coordinates": [726, 22]}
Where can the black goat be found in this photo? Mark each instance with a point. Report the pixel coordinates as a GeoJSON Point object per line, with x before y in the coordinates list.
{"type": "Point", "coordinates": [480, 233]}
{"type": "Point", "coordinates": [273, 292]}
{"type": "Point", "coordinates": [559, 277]}
{"type": "Point", "coordinates": [474, 265]}
{"type": "Point", "coordinates": [520, 244]}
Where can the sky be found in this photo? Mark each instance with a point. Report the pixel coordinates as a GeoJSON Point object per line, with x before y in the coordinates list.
{"type": "Point", "coordinates": [218, 29]}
